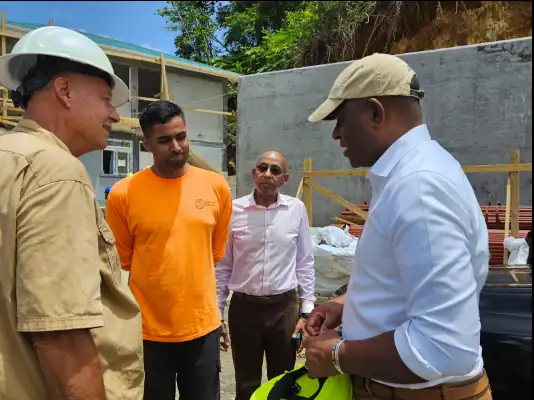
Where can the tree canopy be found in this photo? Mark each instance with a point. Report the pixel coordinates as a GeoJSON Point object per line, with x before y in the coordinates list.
{"type": "Point", "coordinates": [259, 36]}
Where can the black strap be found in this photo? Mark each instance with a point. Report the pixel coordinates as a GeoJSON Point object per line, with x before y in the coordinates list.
{"type": "Point", "coordinates": [287, 387]}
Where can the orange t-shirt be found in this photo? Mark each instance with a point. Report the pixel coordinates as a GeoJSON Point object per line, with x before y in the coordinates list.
{"type": "Point", "coordinates": [170, 233]}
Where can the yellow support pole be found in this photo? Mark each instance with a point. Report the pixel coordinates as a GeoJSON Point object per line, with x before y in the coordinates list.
{"type": "Point", "coordinates": [515, 198]}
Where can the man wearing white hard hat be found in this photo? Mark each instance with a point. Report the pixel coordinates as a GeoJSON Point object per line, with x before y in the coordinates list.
{"type": "Point", "coordinates": [411, 323]}
{"type": "Point", "coordinates": [69, 328]}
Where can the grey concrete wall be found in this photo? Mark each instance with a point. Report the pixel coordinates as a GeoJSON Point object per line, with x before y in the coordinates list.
{"type": "Point", "coordinates": [478, 105]}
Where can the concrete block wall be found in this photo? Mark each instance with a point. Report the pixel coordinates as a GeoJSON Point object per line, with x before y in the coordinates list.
{"type": "Point", "coordinates": [478, 105]}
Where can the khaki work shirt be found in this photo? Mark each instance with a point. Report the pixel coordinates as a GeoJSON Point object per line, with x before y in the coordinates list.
{"type": "Point", "coordinates": [59, 269]}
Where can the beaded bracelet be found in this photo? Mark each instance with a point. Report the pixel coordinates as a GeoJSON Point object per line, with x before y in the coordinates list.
{"type": "Point", "coordinates": [335, 356]}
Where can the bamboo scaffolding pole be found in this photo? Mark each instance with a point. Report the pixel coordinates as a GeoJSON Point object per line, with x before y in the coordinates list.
{"type": "Point", "coordinates": [300, 189]}
{"type": "Point", "coordinates": [164, 89]}
{"type": "Point", "coordinates": [516, 194]}
{"type": "Point", "coordinates": [11, 107]}
{"type": "Point", "coordinates": [508, 215]}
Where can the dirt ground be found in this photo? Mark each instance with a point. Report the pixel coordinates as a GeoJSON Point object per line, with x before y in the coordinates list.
{"type": "Point", "coordinates": [227, 377]}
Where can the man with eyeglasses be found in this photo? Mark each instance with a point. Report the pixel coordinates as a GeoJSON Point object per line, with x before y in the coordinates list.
{"type": "Point", "coordinates": [268, 257]}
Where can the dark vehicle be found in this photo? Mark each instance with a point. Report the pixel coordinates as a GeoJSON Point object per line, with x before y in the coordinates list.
{"type": "Point", "coordinates": [506, 317]}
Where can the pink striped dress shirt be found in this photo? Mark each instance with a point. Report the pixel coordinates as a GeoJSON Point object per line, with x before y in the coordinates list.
{"type": "Point", "coordinates": [269, 252]}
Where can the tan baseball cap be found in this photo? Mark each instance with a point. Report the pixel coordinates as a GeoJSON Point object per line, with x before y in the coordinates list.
{"type": "Point", "coordinates": [378, 75]}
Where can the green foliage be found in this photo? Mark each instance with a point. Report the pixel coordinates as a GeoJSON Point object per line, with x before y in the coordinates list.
{"type": "Point", "coordinates": [259, 36]}
{"type": "Point", "coordinates": [193, 21]}
{"type": "Point", "coordinates": [251, 37]}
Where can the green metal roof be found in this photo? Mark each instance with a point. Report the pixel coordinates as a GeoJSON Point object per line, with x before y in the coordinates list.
{"type": "Point", "coordinates": [104, 41]}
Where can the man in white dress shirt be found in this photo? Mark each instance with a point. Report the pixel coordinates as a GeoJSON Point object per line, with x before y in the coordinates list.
{"type": "Point", "coordinates": [410, 319]}
{"type": "Point", "coordinates": [269, 256]}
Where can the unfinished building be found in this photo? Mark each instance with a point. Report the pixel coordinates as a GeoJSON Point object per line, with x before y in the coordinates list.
{"type": "Point", "coordinates": [200, 89]}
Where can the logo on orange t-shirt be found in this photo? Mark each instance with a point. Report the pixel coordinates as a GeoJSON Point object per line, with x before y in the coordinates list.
{"type": "Point", "coordinates": [200, 204]}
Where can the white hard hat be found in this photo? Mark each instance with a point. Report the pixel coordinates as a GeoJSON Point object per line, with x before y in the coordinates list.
{"type": "Point", "coordinates": [59, 42]}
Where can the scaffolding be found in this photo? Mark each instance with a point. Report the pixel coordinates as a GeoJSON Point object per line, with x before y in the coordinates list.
{"type": "Point", "coordinates": [512, 217]}
{"type": "Point", "coordinates": [11, 114]}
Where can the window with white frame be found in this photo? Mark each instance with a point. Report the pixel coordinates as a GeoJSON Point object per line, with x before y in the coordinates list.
{"type": "Point", "coordinates": [117, 158]}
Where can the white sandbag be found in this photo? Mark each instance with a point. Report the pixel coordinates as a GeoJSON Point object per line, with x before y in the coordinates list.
{"type": "Point", "coordinates": [332, 236]}
{"type": "Point", "coordinates": [334, 251]}
{"type": "Point", "coordinates": [518, 249]}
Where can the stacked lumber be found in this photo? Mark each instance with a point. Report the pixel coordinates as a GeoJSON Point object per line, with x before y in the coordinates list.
{"type": "Point", "coordinates": [495, 217]}
{"type": "Point", "coordinates": [355, 219]}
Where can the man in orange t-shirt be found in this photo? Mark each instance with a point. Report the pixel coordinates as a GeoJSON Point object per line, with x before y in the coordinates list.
{"type": "Point", "coordinates": [171, 225]}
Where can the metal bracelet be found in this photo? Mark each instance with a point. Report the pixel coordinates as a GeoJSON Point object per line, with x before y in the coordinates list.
{"type": "Point", "coordinates": [335, 356]}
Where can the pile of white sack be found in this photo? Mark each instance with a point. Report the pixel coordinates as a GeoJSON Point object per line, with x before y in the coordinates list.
{"type": "Point", "coordinates": [518, 249]}
{"type": "Point", "coordinates": [334, 250]}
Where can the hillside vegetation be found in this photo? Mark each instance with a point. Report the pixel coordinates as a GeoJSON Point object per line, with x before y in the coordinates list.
{"type": "Point", "coordinates": [260, 36]}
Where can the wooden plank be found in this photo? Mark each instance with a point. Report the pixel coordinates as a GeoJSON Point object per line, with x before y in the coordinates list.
{"type": "Point", "coordinates": [308, 191]}
{"type": "Point", "coordinates": [163, 79]}
{"type": "Point", "coordinates": [470, 169]}
{"type": "Point", "coordinates": [214, 112]}
{"type": "Point", "coordinates": [7, 122]}
{"type": "Point", "coordinates": [328, 173]}
{"type": "Point", "coordinates": [343, 221]}
{"type": "Point", "coordinates": [200, 110]}
{"type": "Point", "coordinates": [338, 199]}
{"type": "Point", "coordinates": [507, 217]}
{"type": "Point", "coordinates": [144, 98]}
{"type": "Point", "coordinates": [11, 118]}
{"type": "Point", "coordinates": [515, 197]}
{"type": "Point", "coordinates": [300, 189]}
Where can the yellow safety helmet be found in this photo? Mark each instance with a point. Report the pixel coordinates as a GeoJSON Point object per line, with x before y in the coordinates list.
{"type": "Point", "coordinates": [297, 385]}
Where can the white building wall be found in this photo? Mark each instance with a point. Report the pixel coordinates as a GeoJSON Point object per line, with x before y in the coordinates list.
{"type": "Point", "coordinates": [198, 91]}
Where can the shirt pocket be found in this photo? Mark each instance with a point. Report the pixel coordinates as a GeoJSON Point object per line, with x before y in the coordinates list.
{"type": "Point", "coordinates": [108, 253]}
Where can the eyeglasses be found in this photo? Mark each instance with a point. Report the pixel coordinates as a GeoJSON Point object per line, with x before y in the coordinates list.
{"type": "Point", "coordinates": [275, 169]}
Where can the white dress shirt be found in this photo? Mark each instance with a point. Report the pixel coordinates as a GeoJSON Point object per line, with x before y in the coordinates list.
{"type": "Point", "coordinates": [269, 251]}
{"type": "Point", "coordinates": [421, 262]}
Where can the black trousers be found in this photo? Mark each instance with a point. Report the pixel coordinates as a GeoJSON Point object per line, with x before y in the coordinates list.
{"type": "Point", "coordinates": [193, 366]}
{"type": "Point", "coordinates": [262, 326]}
